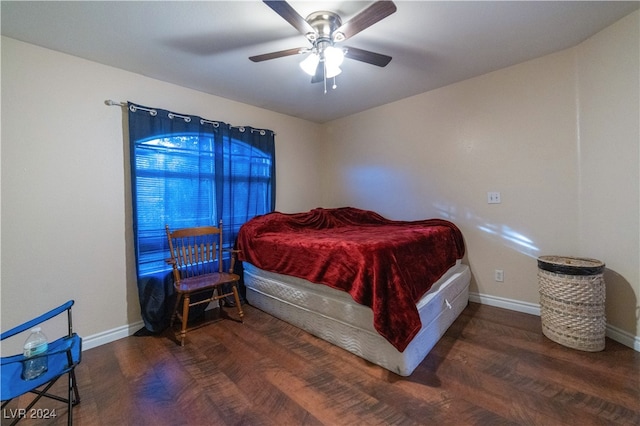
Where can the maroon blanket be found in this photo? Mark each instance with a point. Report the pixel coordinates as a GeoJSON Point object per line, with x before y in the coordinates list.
{"type": "Point", "coordinates": [384, 264]}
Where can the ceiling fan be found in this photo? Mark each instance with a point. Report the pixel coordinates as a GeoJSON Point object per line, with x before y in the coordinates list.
{"type": "Point", "coordinates": [324, 29]}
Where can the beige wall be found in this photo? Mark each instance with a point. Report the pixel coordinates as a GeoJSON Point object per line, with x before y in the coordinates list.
{"type": "Point", "coordinates": [66, 227]}
{"type": "Point", "coordinates": [557, 136]}
{"type": "Point", "coordinates": [608, 86]}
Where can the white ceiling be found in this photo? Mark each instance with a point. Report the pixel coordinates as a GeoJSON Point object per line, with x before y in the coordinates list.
{"type": "Point", "coordinates": [205, 45]}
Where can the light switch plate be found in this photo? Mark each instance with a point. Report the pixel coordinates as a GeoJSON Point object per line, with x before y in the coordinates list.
{"type": "Point", "coordinates": [493, 198]}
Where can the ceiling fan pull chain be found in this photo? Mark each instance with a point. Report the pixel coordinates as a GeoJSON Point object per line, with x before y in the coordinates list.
{"type": "Point", "coordinates": [324, 76]}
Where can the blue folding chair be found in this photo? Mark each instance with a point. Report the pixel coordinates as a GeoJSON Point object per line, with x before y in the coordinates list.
{"type": "Point", "coordinates": [62, 355]}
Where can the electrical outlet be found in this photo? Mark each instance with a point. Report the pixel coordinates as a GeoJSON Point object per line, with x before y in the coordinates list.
{"type": "Point", "coordinates": [493, 197]}
{"type": "Point", "coordinates": [499, 275]}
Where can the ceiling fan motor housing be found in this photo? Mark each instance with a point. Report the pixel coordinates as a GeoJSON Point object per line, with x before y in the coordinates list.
{"type": "Point", "coordinates": [324, 23]}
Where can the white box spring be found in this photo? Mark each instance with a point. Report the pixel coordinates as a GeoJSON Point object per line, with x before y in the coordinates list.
{"type": "Point", "coordinates": [332, 315]}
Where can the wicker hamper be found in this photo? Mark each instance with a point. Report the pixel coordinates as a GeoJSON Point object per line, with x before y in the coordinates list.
{"type": "Point", "coordinates": [572, 294]}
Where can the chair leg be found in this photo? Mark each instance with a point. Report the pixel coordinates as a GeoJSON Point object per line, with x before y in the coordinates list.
{"type": "Point", "coordinates": [185, 318]}
{"type": "Point", "coordinates": [237, 298]}
{"type": "Point", "coordinates": [72, 384]}
{"type": "Point", "coordinates": [175, 310]}
{"type": "Point", "coordinates": [219, 291]}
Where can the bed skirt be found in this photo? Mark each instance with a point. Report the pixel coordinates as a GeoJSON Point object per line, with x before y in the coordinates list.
{"type": "Point", "coordinates": [332, 315]}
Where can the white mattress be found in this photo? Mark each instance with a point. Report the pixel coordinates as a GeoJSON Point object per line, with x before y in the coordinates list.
{"type": "Point", "coordinates": [332, 315]}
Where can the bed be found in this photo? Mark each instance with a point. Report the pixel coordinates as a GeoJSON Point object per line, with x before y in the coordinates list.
{"type": "Point", "coordinates": [384, 290]}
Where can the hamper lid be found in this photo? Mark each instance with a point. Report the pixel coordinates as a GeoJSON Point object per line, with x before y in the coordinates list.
{"type": "Point", "coordinates": [570, 265]}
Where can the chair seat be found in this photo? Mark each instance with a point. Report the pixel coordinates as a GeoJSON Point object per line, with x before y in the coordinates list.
{"type": "Point", "coordinates": [203, 282]}
{"type": "Point", "coordinates": [13, 385]}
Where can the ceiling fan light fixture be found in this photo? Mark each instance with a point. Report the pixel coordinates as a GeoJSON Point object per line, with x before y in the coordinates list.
{"type": "Point", "coordinates": [310, 63]}
{"type": "Point", "coordinates": [333, 56]}
{"type": "Point", "coordinates": [332, 71]}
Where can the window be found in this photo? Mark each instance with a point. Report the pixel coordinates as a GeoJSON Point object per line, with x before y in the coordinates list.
{"type": "Point", "coordinates": [176, 184]}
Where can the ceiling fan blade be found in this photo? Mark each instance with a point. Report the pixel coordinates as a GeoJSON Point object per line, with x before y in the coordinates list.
{"type": "Point", "coordinates": [369, 16]}
{"type": "Point", "coordinates": [289, 14]}
{"type": "Point", "coordinates": [367, 56]}
{"type": "Point", "coordinates": [319, 75]}
{"type": "Point", "coordinates": [279, 54]}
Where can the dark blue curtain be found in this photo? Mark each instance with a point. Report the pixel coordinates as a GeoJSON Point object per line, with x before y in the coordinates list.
{"type": "Point", "coordinates": [188, 171]}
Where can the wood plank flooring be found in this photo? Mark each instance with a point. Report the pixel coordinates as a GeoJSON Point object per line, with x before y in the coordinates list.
{"type": "Point", "coordinates": [492, 367]}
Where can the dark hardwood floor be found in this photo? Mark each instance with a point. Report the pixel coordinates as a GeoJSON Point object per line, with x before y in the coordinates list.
{"type": "Point", "coordinates": [492, 367]}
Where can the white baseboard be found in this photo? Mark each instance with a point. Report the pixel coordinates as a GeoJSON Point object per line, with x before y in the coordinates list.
{"type": "Point", "coordinates": [621, 336]}
{"type": "Point", "coordinates": [109, 336]}
{"type": "Point", "coordinates": [612, 332]}
{"type": "Point", "coordinates": [114, 334]}
{"type": "Point", "coordinates": [501, 302]}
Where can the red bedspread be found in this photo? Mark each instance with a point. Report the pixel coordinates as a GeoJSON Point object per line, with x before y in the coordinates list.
{"type": "Point", "coordinates": [384, 264]}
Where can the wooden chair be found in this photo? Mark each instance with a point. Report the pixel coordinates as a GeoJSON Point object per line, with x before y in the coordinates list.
{"type": "Point", "coordinates": [196, 257]}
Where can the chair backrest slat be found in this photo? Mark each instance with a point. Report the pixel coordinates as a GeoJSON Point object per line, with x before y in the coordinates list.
{"type": "Point", "coordinates": [195, 251]}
